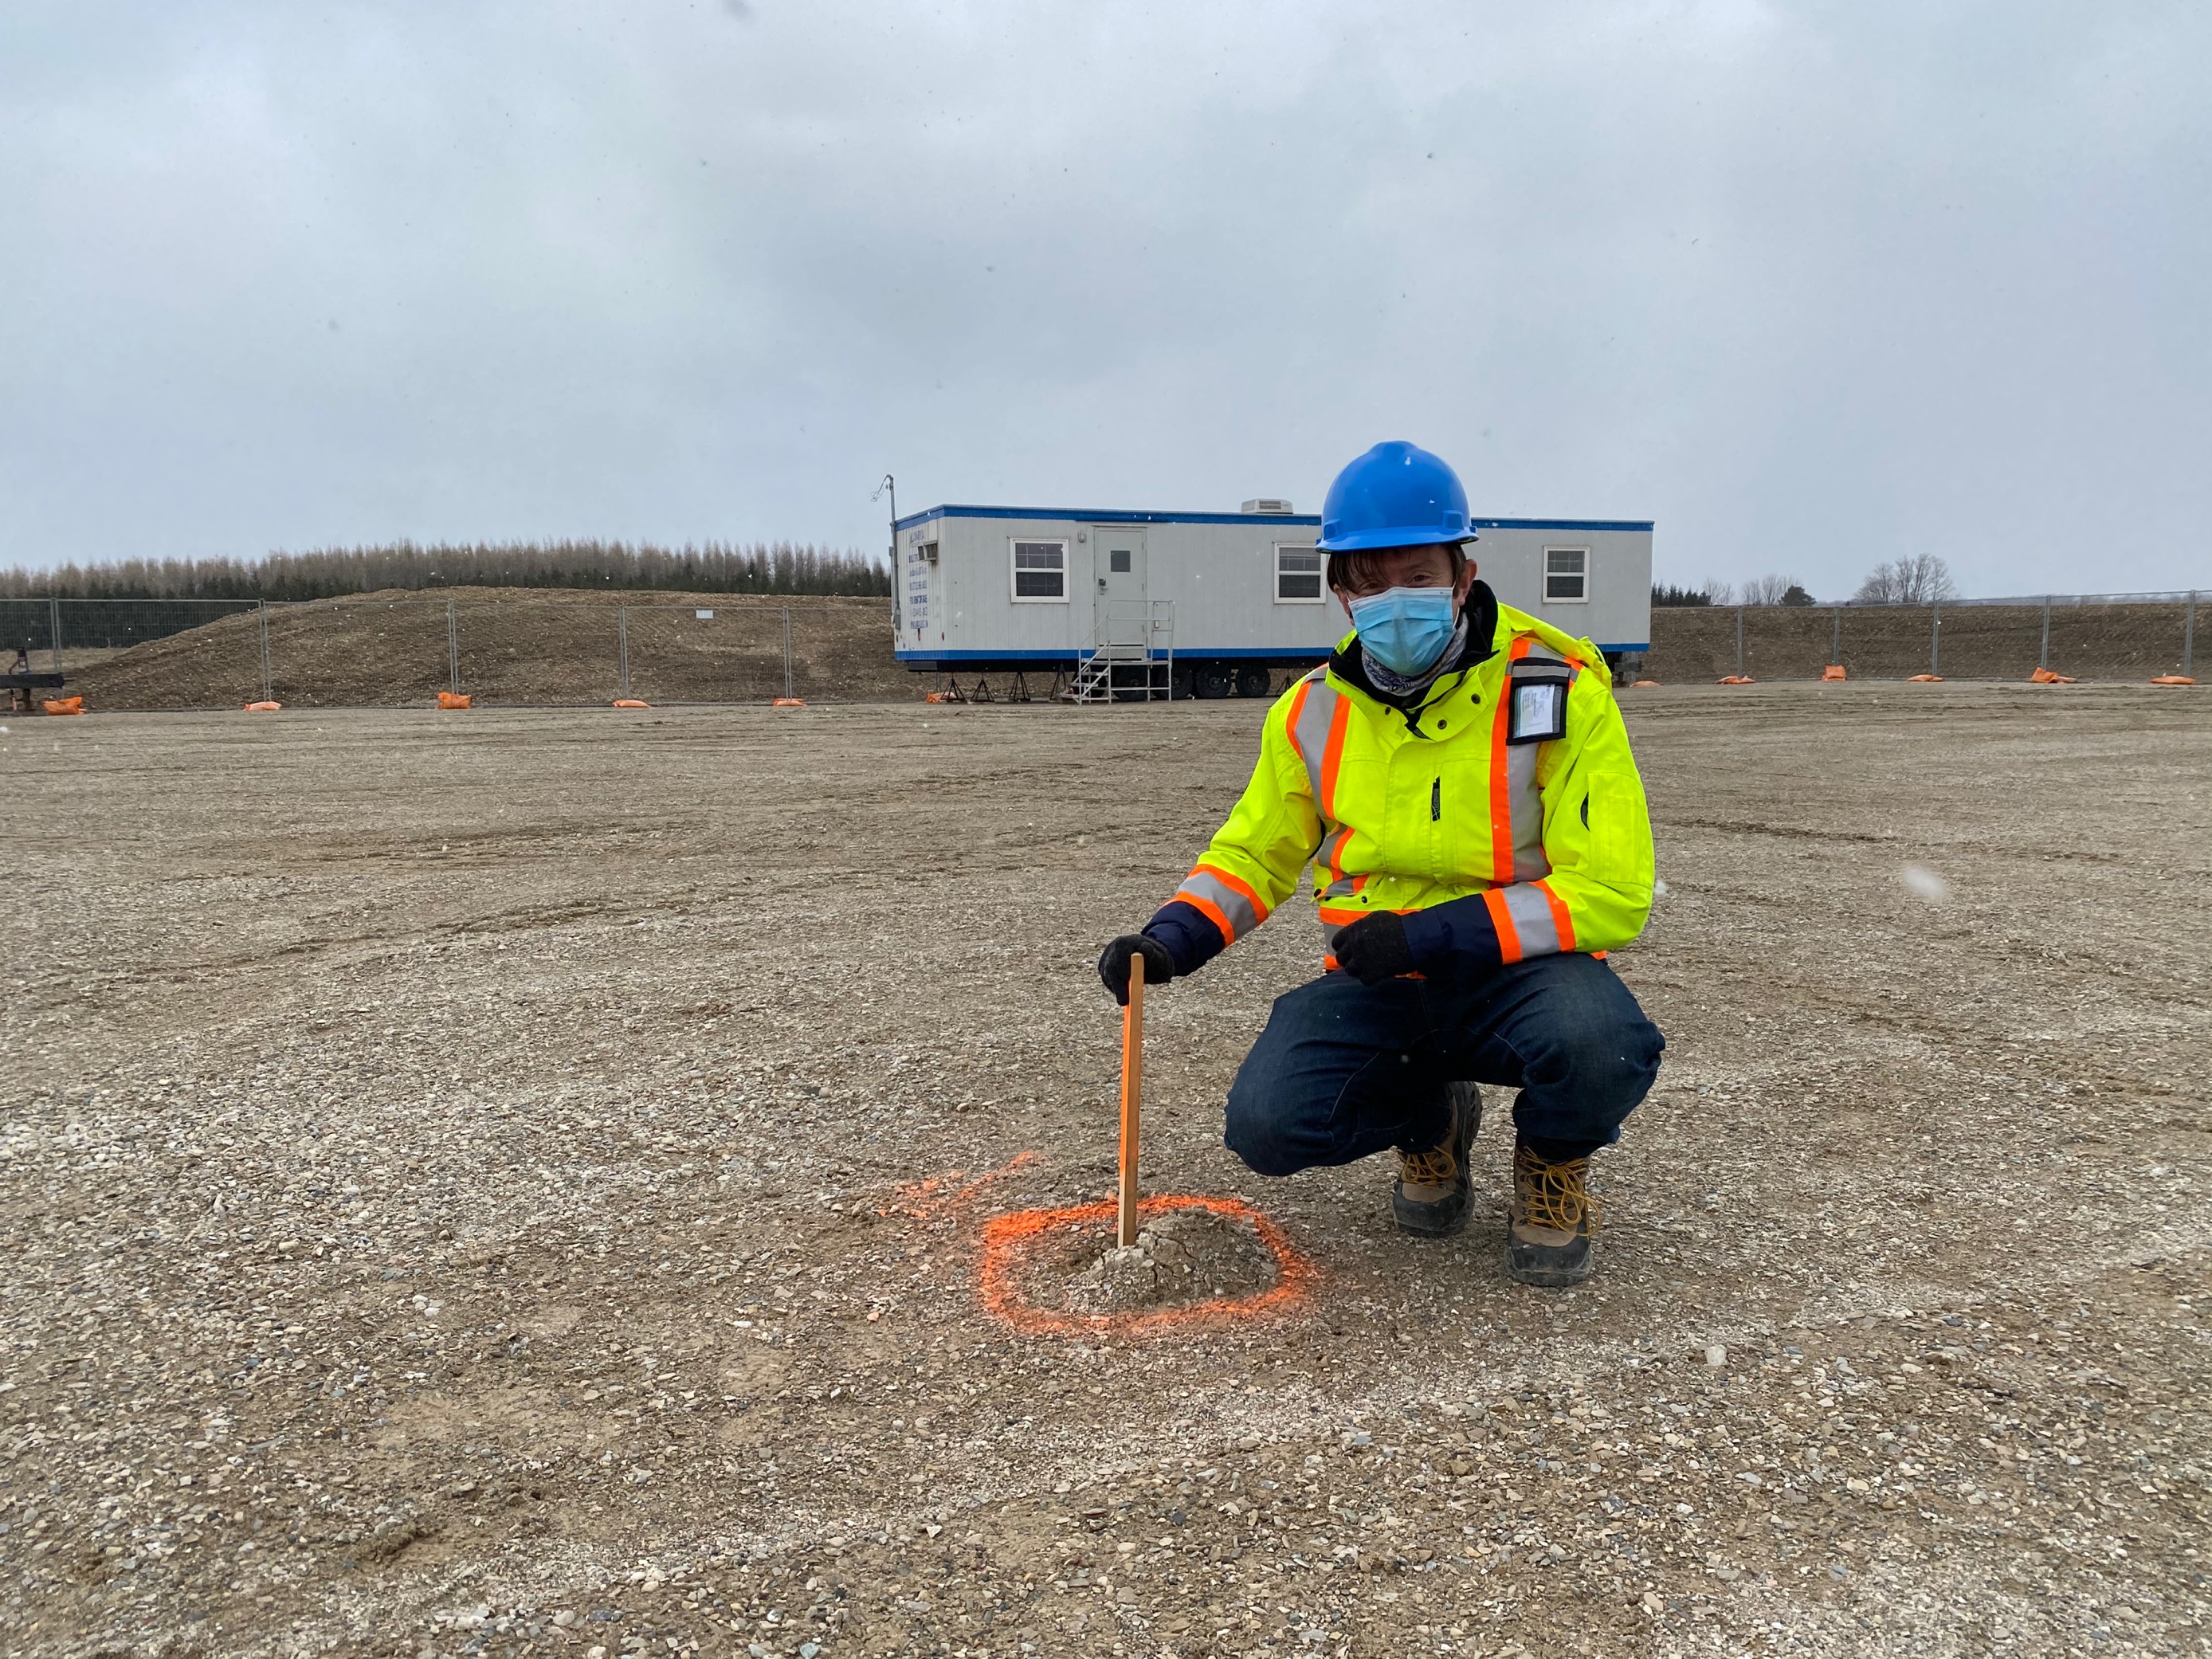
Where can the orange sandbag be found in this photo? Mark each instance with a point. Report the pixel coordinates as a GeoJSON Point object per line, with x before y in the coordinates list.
{"type": "Point", "coordinates": [64, 705]}
{"type": "Point", "coordinates": [631, 702]}
{"type": "Point", "coordinates": [2171, 679]}
{"type": "Point", "coordinates": [2044, 677]}
{"type": "Point", "coordinates": [264, 708]}
{"type": "Point", "coordinates": [453, 700]}
{"type": "Point", "coordinates": [939, 696]}
{"type": "Point", "coordinates": [789, 702]}
{"type": "Point", "coordinates": [1926, 679]}
{"type": "Point", "coordinates": [1834, 671]}
{"type": "Point", "coordinates": [1736, 679]}
{"type": "Point", "coordinates": [1643, 681]}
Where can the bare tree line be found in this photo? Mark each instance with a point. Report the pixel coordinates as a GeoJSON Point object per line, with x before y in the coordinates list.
{"type": "Point", "coordinates": [326, 573]}
{"type": "Point", "coordinates": [1913, 579]}
{"type": "Point", "coordinates": [1776, 589]}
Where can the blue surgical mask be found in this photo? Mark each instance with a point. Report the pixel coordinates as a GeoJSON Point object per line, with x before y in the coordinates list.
{"type": "Point", "coordinates": [1405, 629]}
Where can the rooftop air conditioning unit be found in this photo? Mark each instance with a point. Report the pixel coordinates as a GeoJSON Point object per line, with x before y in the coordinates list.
{"type": "Point", "coordinates": [1274, 504]}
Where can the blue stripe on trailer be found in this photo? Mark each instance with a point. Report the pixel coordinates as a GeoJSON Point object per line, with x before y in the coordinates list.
{"type": "Point", "coordinates": [1275, 653]}
{"type": "Point", "coordinates": [1562, 524]}
{"type": "Point", "coordinates": [1102, 515]}
{"type": "Point", "coordinates": [1317, 655]}
{"type": "Point", "coordinates": [924, 658]}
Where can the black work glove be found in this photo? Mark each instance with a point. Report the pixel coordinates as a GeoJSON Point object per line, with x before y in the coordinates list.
{"type": "Point", "coordinates": [1114, 964]}
{"type": "Point", "coordinates": [1374, 949]}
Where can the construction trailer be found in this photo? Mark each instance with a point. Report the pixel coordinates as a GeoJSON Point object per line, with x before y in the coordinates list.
{"type": "Point", "coordinates": [1120, 605]}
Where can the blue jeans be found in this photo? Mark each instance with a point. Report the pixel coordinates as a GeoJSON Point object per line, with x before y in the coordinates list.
{"type": "Point", "coordinates": [1346, 1069]}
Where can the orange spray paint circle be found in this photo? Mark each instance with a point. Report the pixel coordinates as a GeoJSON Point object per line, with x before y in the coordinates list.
{"type": "Point", "coordinates": [1008, 1240]}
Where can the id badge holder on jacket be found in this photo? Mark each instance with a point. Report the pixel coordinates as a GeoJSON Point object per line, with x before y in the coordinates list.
{"type": "Point", "coordinates": [1539, 712]}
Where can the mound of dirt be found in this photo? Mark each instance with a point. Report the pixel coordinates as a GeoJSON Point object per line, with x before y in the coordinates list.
{"type": "Point", "coordinates": [1181, 1257]}
{"type": "Point", "coordinates": [510, 646]}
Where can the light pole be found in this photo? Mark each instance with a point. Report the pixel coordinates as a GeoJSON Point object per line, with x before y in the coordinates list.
{"type": "Point", "coordinates": [890, 487]}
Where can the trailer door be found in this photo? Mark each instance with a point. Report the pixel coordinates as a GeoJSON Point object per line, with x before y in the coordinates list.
{"type": "Point", "coordinates": [1119, 613]}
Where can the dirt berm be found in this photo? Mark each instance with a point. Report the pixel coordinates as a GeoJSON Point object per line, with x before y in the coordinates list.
{"type": "Point", "coordinates": [552, 647]}
{"type": "Point", "coordinates": [516, 646]}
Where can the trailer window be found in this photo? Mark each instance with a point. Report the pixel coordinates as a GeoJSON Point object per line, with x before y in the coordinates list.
{"type": "Point", "coordinates": [1297, 574]}
{"type": "Point", "coordinates": [1041, 571]}
{"type": "Point", "coordinates": [1566, 575]}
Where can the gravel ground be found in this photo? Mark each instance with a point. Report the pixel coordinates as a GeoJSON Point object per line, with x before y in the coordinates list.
{"type": "Point", "coordinates": [511, 1183]}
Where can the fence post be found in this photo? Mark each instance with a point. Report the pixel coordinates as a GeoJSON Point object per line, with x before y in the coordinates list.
{"type": "Point", "coordinates": [1935, 639]}
{"type": "Point", "coordinates": [1739, 641]}
{"type": "Point", "coordinates": [2188, 634]}
{"type": "Point", "coordinates": [2043, 659]}
{"type": "Point", "coordinates": [621, 648]}
{"type": "Point", "coordinates": [54, 631]}
{"type": "Point", "coordinates": [267, 681]}
{"type": "Point", "coordinates": [452, 648]}
{"type": "Point", "coordinates": [1836, 650]}
{"type": "Point", "coordinates": [787, 651]}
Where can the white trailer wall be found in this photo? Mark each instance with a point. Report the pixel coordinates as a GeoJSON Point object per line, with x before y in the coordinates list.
{"type": "Point", "coordinates": [964, 604]}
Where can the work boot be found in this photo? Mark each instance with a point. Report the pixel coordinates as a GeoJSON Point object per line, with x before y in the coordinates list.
{"type": "Point", "coordinates": [1547, 1232]}
{"type": "Point", "coordinates": [1430, 1195]}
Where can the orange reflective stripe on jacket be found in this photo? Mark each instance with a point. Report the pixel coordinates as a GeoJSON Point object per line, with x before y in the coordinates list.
{"type": "Point", "coordinates": [1398, 810]}
{"type": "Point", "coordinates": [1528, 922]}
{"type": "Point", "coordinates": [1229, 903]}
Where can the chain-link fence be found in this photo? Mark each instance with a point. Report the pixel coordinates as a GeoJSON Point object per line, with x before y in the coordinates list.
{"type": "Point", "coordinates": [2126, 636]}
{"type": "Point", "coordinates": [60, 633]}
{"type": "Point", "coordinates": [588, 649]}
{"type": "Point", "coordinates": [379, 651]}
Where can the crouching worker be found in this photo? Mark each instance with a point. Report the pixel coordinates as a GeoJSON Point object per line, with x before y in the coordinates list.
{"type": "Point", "coordinates": [1458, 778]}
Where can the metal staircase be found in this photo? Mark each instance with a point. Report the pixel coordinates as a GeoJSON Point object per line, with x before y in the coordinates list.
{"type": "Point", "coordinates": [1135, 662]}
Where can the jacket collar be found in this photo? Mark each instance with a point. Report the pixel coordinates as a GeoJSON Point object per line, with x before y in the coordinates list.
{"type": "Point", "coordinates": [1349, 664]}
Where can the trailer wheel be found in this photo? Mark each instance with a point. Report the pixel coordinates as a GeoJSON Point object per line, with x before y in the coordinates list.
{"type": "Point", "coordinates": [1214, 679]}
{"type": "Point", "coordinates": [1253, 681]}
{"type": "Point", "coordinates": [1182, 686]}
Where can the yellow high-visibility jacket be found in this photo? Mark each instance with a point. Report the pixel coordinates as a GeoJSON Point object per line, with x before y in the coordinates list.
{"type": "Point", "coordinates": [1502, 815]}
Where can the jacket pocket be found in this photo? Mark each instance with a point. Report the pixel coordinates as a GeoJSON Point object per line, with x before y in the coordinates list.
{"type": "Point", "coordinates": [1619, 828]}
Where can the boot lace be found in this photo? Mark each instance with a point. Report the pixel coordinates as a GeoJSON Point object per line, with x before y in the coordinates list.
{"type": "Point", "coordinates": [1436, 1167]}
{"type": "Point", "coordinates": [1555, 1196]}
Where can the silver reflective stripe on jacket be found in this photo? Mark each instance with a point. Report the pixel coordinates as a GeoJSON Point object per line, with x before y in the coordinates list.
{"type": "Point", "coordinates": [1525, 802]}
{"type": "Point", "coordinates": [1532, 921]}
{"type": "Point", "coordinates": [1243, 915]}
{"type": "Point", "coordinates": [1309, 731]}
{"type": "Point", "coordinates": [1331, 857]}
{"type": "Point", "coordinates": [1525, 799]}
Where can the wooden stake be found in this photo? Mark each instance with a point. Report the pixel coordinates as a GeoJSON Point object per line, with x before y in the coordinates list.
{"type": "Point", "coordinates": [1133, 1088]}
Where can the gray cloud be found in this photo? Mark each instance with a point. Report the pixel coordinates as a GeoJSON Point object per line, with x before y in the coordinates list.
{"type": "Point", "coordinates": [1812, 285]}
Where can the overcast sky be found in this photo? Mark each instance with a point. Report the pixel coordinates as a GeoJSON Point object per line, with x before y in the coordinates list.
{"type": "Point", "coordinates": [1811, 285]}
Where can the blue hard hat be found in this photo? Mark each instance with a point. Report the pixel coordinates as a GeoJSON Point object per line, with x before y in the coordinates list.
{"type": "Point", "coordinates": [1397, 495]}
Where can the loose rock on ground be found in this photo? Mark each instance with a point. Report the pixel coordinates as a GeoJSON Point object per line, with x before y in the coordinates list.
{"type": "Point", "coordinates": [512, 1183]}
{"type": "Point", "coordinates": [1180, 1258]}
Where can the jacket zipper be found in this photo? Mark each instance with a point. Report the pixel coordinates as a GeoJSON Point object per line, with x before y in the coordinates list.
{"type": "Point", "coordinates": [1437, 801]}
